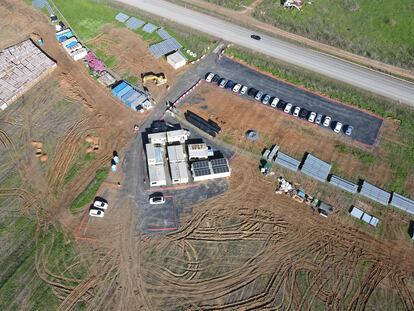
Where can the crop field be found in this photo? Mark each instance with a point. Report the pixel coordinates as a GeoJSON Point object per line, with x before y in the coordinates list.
{"type": "Point", "coordinates": [377, 29]}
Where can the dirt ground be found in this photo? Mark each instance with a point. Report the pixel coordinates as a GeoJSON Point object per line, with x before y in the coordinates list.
{"type": "Point", "coordinates": [133, 57]}
{"type": "Point", "coordinates": [244, 249]}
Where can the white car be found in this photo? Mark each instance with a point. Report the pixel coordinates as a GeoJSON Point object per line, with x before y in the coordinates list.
{"type": "Point", "coordinates": [327, 121]}
{"type": "Point", "coordinates": [96, 212]}
{"type": "Point", "coordinates": [338, 127]}
{"type": "Point", "coordinates": [243, 90]}
{"type": "Point", "coordinates": [157, 200]}
{"type": "Point", "coordinates": [312, 117]}
{"type": "Point", "coordinates": [274, 103]}
{"type": "Point", "coordinates": [288, 108]}
{"type": "Point", "coordinates": [99, 203]}
{"type": "Point", "coordinates": [210, 77]}
{"type": "Point", "coordinates": [236, 88]}
{"type": "Point", "coordinates": [296, 111]}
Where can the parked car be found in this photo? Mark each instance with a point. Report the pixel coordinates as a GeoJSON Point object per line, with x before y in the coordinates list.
{"type": "Point", "coordinates": [312, 117]}
{"type": "Point", "coordinates": [281, 105]}
{"type": "Point", "coordinates": [243, 90]}
{"type": "Point", "coordinates": [296, 111]}
{"type": "Point", "coordinates": [304, 114]}
{"type": "Point", "coordinates": [96, 212]}
{"type": "Point", "coordinates": [349, 129]}
{"type": "Point", "coordinates": [327, 121]}
{"type": "Point", "coordinates": [266, 99]}
{"type": "Point", "coordinates": [288, 108]}
{"type": "Point", "coordinates": [100, 203]}
{"type": "Point", "coordinates": [215, 79]}
{"type": "Point", "coordinates": [236, 88]}
{"type": "Point", "coordinates": [230, 84]}
{"type": "Point", "coordinates": [338, 127]}
{"type": "Point", "coordinates": [252, 92]}
{"type": "Point", "coordinates": [259, 95]}
{"type": "Point", "coordinates": [318, 119]}
{"type": "Point", "coordinates": [157, 199]}
{"type": "Point", "coordinates": [255, 37]}
{"type": "Point", "coordinates": [274, 103]}
{"type": "Point", "coordinates": [209, 77]}
{"type": "Point", "coordinates": [222, 82]}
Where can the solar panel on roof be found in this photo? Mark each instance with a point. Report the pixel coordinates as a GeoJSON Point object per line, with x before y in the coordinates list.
{"type": "Point", "coordinates": [201, 164]}
{"type": "Point", "coordinates": [121, 17]}
{"type": "Point", "coordinates": [134, 23]}
{"type": "Point", "coordinates": [165, 47]}
{"type": "Point", "coordinates": [219, 162]}
{"type": "Point", "coordinates": [202, 172]}
{"type": "Point", "coordinates": [149, 28]}
{"type": "Point", "coordinates": [163, 34]}
{"type": "Point", "coordinates": [220, 169]}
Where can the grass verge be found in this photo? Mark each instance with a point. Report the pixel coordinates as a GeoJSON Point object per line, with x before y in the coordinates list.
{"type": "Point", "coordinates": [88, 194]}
{"type": "Point", "coordinates": [237, 5]}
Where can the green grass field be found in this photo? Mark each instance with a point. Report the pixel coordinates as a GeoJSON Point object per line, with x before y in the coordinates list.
{"type": "Point", "coordinates": [232, 4]}
{"type": "Point", "coordinates": [382, 30]}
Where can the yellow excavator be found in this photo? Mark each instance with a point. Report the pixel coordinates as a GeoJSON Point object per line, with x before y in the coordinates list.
{"type": "Point", "coordinates": [157, 78]}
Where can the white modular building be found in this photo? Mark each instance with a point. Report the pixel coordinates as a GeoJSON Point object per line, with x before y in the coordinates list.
{"type": "Point", "coordinates": [176, 153]}
{"type": "Point", "coordinates": [178, 136]}
{"type": "Point", "coordinates": [155, 154]}
{"type": "Point", "coordinates": [179, 172]}
{"type": "Point", "coordinates": [157, 138]}
{"type": "Point", "coordinates": [156, 175]}
{"type": "Point", "coordinates": [176, 60]}
{"type": "Point", "coordinates": [197, 151]}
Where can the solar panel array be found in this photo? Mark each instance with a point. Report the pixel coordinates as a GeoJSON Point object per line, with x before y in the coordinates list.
{"type": "Point", "coordinates": [374, 193]}
{"type": "Point", "coordinates": [134, 23]}
{"type": "Point", "coordinates": [163, 34]}
{"type": "Point", "coordinates": [121, 17]}
{"type": "Point", "coordinates": [201, 164]}
{"type": "Point", "coordinates": [219, 166]}
{"type": "Point", "coordinates": [218, 162]}
{"type": "Point", "coordinates": [40, 4]}
{"type": "Point", "coordinates": [165, 47]}
{"type": "Point", "coordinates": [149, 28]}
{"type": "Point", "coordinates": [402, 203]}
{"type": "Point", "coordinates": [202, 172]}
{"type": "Point", "coordinates": [316, 168]}
{"type": "Point", "coordinates": [343, 184]}
{"type": "Point", "coordinates": [287, 161]}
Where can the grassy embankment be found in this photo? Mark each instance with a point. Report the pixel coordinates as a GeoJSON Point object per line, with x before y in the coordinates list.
{"type": "Point", "coordinates": [232, 4]}
{"type": "Point", "coordinates": [399, 154]}
{"type": "Point", "coordinates": [88, 17]}
{"type": "Point", "coordinates": [382, 30]}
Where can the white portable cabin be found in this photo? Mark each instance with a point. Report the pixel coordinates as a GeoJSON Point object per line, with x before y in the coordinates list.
{"type": "Point", "coordinates": [154, 154]}
{"type": "Point", "coordinates": [158, 138]}
{"type": "Point", "coordinates": [79, 54]}
{"type": "Point", "coordinates": [197, 151]}
{"type": "Point", "coordinates": [179, 172]}
{"type": "Point", "coordinates": [176, 60]}
{"type": "Point", "coordinates": [176, 153]}
{"type": "Point", "coordinates": [178, 136]}
{"type": "Point", "coordinates": [156, 175]}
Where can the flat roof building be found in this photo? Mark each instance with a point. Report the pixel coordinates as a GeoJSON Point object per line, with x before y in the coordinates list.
{"type": "Point", "coordinates": [176, 60]}
{"type": "Point", "coordinates": [154, 154]}
{"type": "Point", "coordinates": [179, 172]}
{"type": "Point", "coordinates": [157, 138]}
{"type": "Point", "coordinates": [178, 136]}
{"type": "Point", "coordinates": [204, 170]}
{"type": "Point", "coordinates": [197, 151]}
{"type": "Point", "coordinates": [156, 175]}
{"type": "Point", "coordinates": [176, 153]}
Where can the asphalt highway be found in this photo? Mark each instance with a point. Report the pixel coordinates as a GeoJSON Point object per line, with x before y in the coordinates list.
{"type": "Point", "coordinates": [359, 76]}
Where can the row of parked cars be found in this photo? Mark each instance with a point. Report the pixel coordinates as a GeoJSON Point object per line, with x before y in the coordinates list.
{"type": "Point", "coordinates": [280, 104]}
{"type": "Point", "coordinates": [98, 207]}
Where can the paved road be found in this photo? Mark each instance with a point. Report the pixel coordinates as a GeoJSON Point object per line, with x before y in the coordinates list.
{"type": "Point", "coordinates": [352, 74]}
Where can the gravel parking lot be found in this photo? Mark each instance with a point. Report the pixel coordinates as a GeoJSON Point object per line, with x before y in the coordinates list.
{"type": "Point", "coordinates": [366, 126]}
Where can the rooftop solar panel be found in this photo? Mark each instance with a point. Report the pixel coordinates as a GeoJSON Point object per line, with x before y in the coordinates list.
{"type": "Point", "coordinates": [219, 162]}
{"type": "Point", "coordinates": [220, 169]}
{"type": "Point", "coordinates": [121, 17]}
{"type": "Point", "coordinates": [163, 34]}
{"type": "Point", "coordinates": [149, 28]}
{"type": "Point", "coordinates": [202, 172]}
{"type": "Point", "coordinates": [165, 47]}
{"type": "Point", "coordinates": [134, 23]}
{"type": "Point", "coordinates": [200, 164]}
{"type": "Point", "coordinates": [403, 203]}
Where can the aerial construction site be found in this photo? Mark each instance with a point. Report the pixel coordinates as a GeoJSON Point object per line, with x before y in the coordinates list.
{"type": "Point", "coordinates": [146, 165]}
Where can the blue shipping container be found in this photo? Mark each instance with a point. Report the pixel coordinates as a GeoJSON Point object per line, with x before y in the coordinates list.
{"type": "Point", "coordinates": [123, 91]}
{"type": "Point", "coordinates": [128, 95]}
{"type": "Point", "coordinates": [72, 44]}
{"type": "Point", "coordinates": [118, 88]}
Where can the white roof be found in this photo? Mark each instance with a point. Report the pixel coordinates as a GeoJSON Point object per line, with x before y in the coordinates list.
{"type": "Point", "coordinates": [154, 152]}
{"type": "Point", "coordinates": [157, 136]}
{"type": "Point", "coordinates": [179, 170]}
{"type": "Point", "coordinates": [176, 58]}
{"type": "Point", "coordinates": [177, 133]}
{"type": "Point", "coordinates": [176, 153]}
{"type": "Point", "coordinates": [156, 173]}
{"type": "Point", "coordinates": [356, 212]}
{"type": "Point", "coordinates": [200, 146]}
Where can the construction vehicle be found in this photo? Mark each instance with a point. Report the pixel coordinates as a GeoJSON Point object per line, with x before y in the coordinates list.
{"type": "Point", "coordinates": [158, 78]}
{"type": "Point", "coordinates": [36, 38]}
